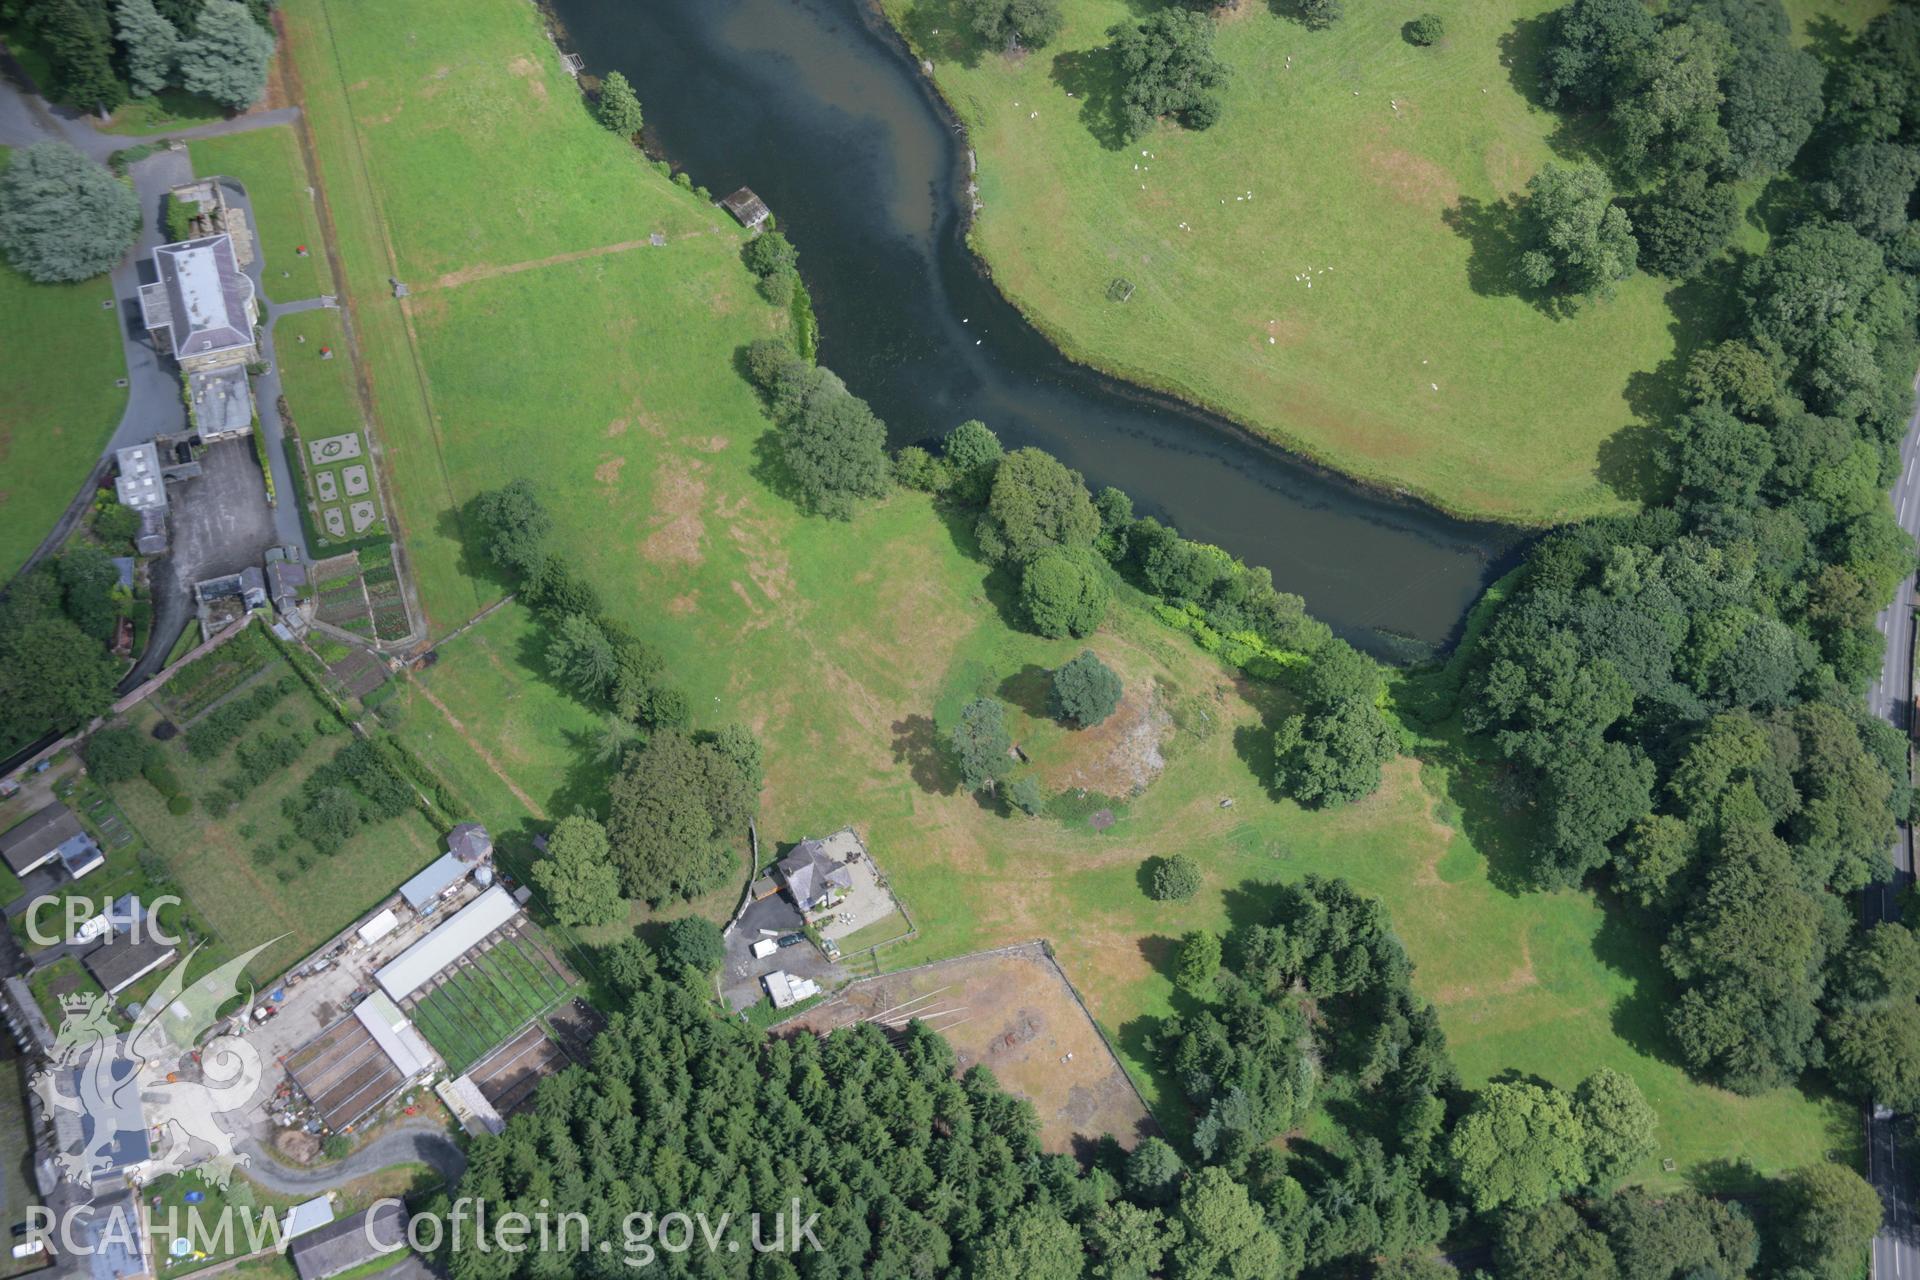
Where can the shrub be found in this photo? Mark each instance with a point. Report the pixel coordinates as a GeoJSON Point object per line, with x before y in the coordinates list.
{"type": "Point", "coordinates": [1174, 879]}
{"type": "Point", "coordinates": [694, 942]}
{"type": "Point", "coordinates": [116, 525]}
{"type": "Point", "coordinates": [618, 108]}
{"type": "Point", "coordinates": [1085, 691]}
{"type": "Point", "coordinates": [179, 805]}
{"type": "Point", "coordinates": [155, 769]}
{"type": "Point", "coordinates": [114, 754]}
{"type": "Point", "coordinates": [1427, 29]}
{"type": "Point", "coordinates": [769, 254]}
{"type": "Point", "coordinates": [1026, 796]}
{"type": "Point", "coordinates": [179, 219]}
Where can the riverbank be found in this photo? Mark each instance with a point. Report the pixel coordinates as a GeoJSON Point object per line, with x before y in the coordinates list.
{"type": "Point", "coordinates": [603, 374]}
{"type": "Point", "coordinates": [1287, 277]}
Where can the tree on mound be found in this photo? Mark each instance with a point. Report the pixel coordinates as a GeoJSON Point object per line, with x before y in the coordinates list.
{"type": "Point", "coordinates": [226, 59]}
{"type": "Point", "coordinates": [1085, 691]}
{"type": "Point", "coordinates": [1064, 591]}
{"type": "Point", "coordinates": [619, 108]}
{"type": "Point", "coordinates": [1577, 242]}
{"type": "Point", "coordinates": [1011, 23]}
{"type": "Point", "coordinates": [63, 217]}
{"type": "Point", "coordinates": [577, 875]}
{"type": "Point", "coordinates": [1169, 70]}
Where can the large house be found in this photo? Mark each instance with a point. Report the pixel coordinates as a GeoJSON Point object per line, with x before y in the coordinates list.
{"type": "Point", "coordinates": [815, 874]}
{"type": "Point", "coordinates": [201, 309]}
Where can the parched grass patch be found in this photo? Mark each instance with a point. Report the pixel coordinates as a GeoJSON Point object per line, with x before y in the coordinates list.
{"type": "Point", "coordinates": [52, 428]}
{"type": "Point", "coordinates": [268, 163]}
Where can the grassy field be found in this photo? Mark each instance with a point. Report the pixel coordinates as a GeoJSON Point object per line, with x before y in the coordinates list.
{"type": "Point", "coordinates": [605, 378]}
{"type": "Point", "coordinates": [244, 896]}
{"type": "Point", "coordinates": [1329, 263]}
{"type": "Point", "coordinates": [52, 428]}
{"type": "Point", "coordinates": [267, 162]}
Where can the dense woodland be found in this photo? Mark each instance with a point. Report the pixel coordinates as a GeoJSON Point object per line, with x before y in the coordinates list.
{"type": "Point", "coordinates": [1679, 692]}
{"type": "Point", "coordinates": [103, 52]}
{"type": "Point", "coordinates": [917, 1171]}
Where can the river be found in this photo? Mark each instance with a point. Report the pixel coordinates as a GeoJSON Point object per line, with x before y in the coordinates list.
{"type": "Point", "coordinates": [817, 107]}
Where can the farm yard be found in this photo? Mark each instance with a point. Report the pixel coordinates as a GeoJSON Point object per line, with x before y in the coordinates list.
{"type": "Point", "coordinates": [488, 995]}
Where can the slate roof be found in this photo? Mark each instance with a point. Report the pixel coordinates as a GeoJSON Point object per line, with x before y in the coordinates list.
{"type": "Point", "coordinates": [809, 871]}
{"type": "Point", "coordinates": [200, 298]}
{"type": "Point", "coordinates": [222, 400]}
{"type": "Point", "coordinates": [122, 960]}
{"type": "Point", "coordinates": [139, 484]}
{"type": "Point", "coordinates": [344, 1244]}
{"type": "Point", "coordinates": [38, 838]}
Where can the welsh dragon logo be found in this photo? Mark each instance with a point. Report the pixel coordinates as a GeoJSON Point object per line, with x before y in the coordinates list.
{"type": "Point", "coordinates": [120, 1075]}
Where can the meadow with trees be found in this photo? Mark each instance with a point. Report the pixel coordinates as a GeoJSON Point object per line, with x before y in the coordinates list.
{"type": "Point", "coordinates": [881, 622]}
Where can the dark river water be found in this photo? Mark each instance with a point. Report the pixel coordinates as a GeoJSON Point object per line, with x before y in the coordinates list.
{"type": "Point", "coordinates": [818, 109]}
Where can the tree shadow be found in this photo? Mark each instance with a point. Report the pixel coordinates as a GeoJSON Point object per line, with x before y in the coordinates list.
{"type": "Point", "coordinates": [1628, 946]}
{"type": "Point", "coordinates": [1093, 77]}
{"type": "Point", "coordinates": [460, 525]}
{"type": "Point", "coordinates": [1780, 204]}
{"type": "Point", "coordinates": [943, 31]}
{"type": "Point", "coordinates": [1633, 462]}
{"type": "Point", "coordinates": [1523, 52]}
{"type": "Point", "coordinates": [1490, 800]}
{"type": "Point", "coordinates": [770, 469]}
{"type": "Point", "coordinates": [1492, 233]}
{"type": "Point", "coordinates": [916, 744]}
{"type": "Point", "coordinates": [1829, 40]}
{"type": "Point", "coordinates": [1253, 743]}
{"type": "Point", "coordinates": [1249, 903]}
{"type": "Point", "coordinates": [1030, 689]}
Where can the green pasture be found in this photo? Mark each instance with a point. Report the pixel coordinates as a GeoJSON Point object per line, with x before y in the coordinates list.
{"type": "Point", "coordinates": [52, 428]}
{"type": "Point", "coordinates": [1330, 263]}
{"type": "Point", "coordinates": [267, 162]}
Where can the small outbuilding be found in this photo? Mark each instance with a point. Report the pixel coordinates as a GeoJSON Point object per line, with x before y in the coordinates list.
{"type": "Point", "coordinates": [750, 210]}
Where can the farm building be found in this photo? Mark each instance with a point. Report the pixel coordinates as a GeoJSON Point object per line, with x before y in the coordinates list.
{"type": "Point", "coordinates": [417, 965]}
{"type": "Point", "coordinates": [440, 875]}
{"type": "Point", "coordinates": [360, 1061]}
{"type": "Point", "coordinates": [377, 928]}
{"type": "Point", "coordinates": [747, 207]}
{"type": "Point", "coordinates": [116, 1132]}
{"type": "Point", "coordinates": [351, 1242]}
{"type": "Point", "coordinates": [470, 843]}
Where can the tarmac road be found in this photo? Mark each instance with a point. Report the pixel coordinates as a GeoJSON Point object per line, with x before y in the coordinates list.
{"type": "Point", "coordinates": [1890, 1161]}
